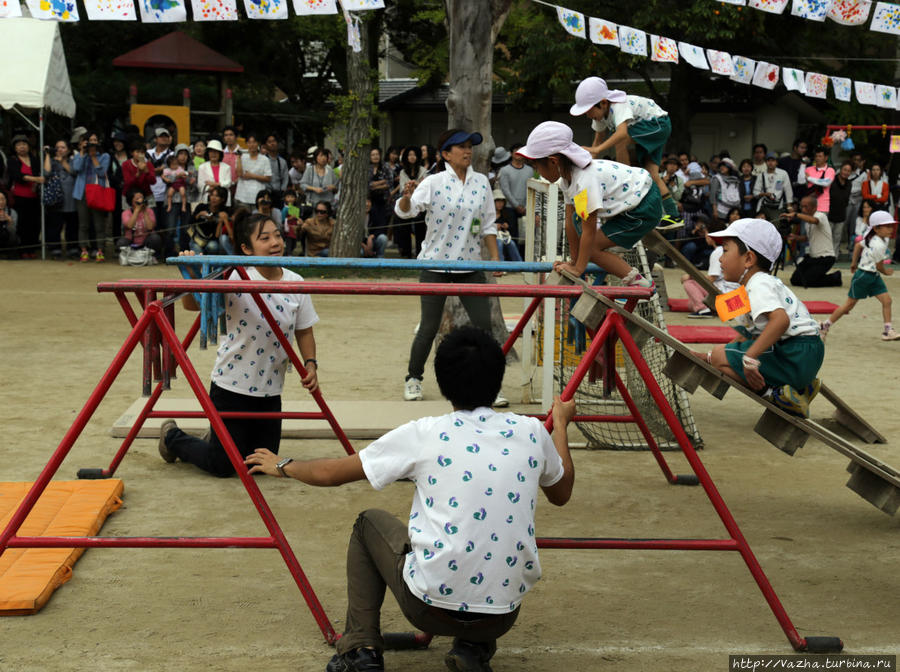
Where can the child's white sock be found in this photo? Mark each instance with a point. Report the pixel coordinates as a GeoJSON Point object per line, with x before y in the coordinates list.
{"type": "Point", "coordinates": [635, 279]}
{"type": "Point", "coordinates": [887, 327]}
{"type": "Point", "coordinates": [632, 274]}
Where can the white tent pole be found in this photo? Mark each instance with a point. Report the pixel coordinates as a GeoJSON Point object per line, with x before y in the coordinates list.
{"type": "Point", "coordinates": [41, 190]}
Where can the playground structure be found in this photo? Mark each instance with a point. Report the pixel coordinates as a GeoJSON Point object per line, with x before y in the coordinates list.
{"type": "Point", "coordinates": [163, 351]}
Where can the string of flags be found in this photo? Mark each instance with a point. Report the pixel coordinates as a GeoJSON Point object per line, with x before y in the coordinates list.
{"type": "Point", "coordinates": [885, 18]}
{"type": "Point", "coordinates": [175, 11]}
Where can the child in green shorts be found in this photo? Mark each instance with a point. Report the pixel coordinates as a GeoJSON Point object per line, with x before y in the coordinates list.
{"type": "Point", "coordinates": [618, 119]}
{"type": "Point", "coordinates": [612, 203]}
{"type": "Point", "coordinates": [778, 351]}
{"type": "Point", "coordinates": [869, 255]}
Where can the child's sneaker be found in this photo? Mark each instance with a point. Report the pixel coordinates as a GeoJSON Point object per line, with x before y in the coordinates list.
{"type": "Point", "coordinates": [668, 222]}
{"type": "Point", "coordinates": [790, 401]}
{"type": "Point", "coordinates": [412, 389]}
{"type": "Point", "coordinates": [357, 660]}
{"type": "Point", "coordinates": [812, 390]}
{"type": "Point", "coordinates": [703, 312]}
{"type": "Point", "coordinates": [467, 656]}
{"type": "Point", "coordinates": [890, 335]}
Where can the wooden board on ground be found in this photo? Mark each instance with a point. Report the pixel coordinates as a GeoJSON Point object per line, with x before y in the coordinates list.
{"type": "Point", "coordinates": [872, 479]}
{"type": "Point", "coordinates": [358, 419]}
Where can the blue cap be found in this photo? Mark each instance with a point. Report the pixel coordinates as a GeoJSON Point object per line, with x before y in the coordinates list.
{"type": "Point", "coordinates": [460, 137]}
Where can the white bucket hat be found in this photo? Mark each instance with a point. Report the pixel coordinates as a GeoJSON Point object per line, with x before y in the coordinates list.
{"type": "Point", "coordinates": [552, 137]}
{"type": "Point", "coordinates": [758, 234]}
{"type": "Point", "coordinates": [879, 218]}
{"type": "Point", "coordinates": [214, 145]}
{"type": "Point", "coordinates": [590, 92]}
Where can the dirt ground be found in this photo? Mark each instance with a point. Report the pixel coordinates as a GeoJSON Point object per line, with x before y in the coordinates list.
{"type": "Point", "coordinates": [830, 555]}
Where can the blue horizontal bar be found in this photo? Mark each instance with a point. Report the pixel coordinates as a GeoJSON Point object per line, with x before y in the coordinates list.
{"type": "Point", "coordinates": [375, 264]}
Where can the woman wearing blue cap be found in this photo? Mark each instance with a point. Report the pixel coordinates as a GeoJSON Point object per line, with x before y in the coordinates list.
{"type": "Point", "coordinates": [459, 216]}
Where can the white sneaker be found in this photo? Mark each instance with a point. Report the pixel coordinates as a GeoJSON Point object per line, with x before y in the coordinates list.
{"type": "Point", "coordinates": [412, 391]}
{"type": "Point", "coordinates": [890, 336]}
{"type": "Point", "coordinates": [501, 401]}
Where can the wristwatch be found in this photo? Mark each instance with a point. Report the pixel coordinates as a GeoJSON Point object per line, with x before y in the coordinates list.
{"type": "Point", "coordinates": [282, 464]}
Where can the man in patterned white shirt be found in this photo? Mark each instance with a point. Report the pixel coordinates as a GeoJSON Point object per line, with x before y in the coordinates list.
{"type": "Point", "coordinates": [467, 555]}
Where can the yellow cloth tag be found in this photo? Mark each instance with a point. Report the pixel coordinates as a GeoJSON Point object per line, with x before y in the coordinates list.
{"type": "Point", "coordinates": [732, 304]}
{"type": "Point", "coordinates": [580, 202]}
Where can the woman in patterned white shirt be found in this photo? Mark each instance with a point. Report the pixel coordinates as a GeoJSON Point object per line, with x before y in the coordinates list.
{"type": "Point", "coordinates": [459, 216]}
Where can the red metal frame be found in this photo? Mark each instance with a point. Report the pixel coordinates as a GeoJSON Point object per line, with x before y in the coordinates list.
{"type": "Point", "coordinates": [154, 329]}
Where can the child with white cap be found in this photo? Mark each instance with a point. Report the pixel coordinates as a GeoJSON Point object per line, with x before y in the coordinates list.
{"type": "Point", "coordinates": [611, 203]}
{"type": "Point", "coordinates": [618, 119]}
{"type": "Point", "coordinates": [869, 256]}
{"type": "Point", "coordinates": [778, 351]}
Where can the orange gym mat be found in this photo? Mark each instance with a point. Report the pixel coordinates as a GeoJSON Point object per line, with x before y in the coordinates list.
{"type": "Point", "coordinates": [28, 576]}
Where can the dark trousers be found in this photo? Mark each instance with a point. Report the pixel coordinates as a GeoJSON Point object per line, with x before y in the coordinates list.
{"type": "Point", "coordinates": [248, 435]}
{"type": "Point", "coordinates": [376, 557]}
{"type": "Point", "coordinates": [478, 308]}
{"type": "Point", "coordinates": [813, 272]}
{"type": "Point", "coordinates": [29, 227]}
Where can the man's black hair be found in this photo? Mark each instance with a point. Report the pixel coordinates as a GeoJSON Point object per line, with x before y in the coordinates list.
{"type": "Point", "coordinates": [469, 368]}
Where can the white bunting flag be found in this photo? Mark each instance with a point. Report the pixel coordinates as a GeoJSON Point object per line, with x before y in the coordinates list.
{"type": "Point", "coordinates": [693, 55]}
{"type": "Point", "coordinates": [720, 62]}
{"type": "Point", "coordinates": [814, 10]}
{"type": "Point", "coordinates": [162, 11]}
{"type": "Point", "coordinates": [849, 12]}
{"type": "Point", "coordinates": [53, 10]}
{"type": "Point", "coordinates": [603, 32]}
{"type": "Point", "coordinates": [886, 18]}
{"type": "Point", "coordinates": [361, 5]}
{"type": "Point", "coordinates": [663, 49]}
{"type": "Point", "coordinates": [573, 22]}
{"type": "Point", "coordinates": [765, 75]}
{"type": "Point", "coordinates": [886, 96]}
{"type": "Point", "coordinates": [841, 86]}
{"type": "Point", "coordinates": [816, 85]}
{"type": "Point", "coordinates": [771, 6]}
{"type": "Point", "coordinates": [865, 92]}
{"type": "Point", "coordinates": [735, 2]}
{"type": "Point", "coordinates": [743, 69]}
{"type": "Point", "coordinates": [10, 9]}
{"type": "Point", "coordinates": [632, 41]}
{"type": "Point", "coordinates": [307, 7]}
{"type": "Point", "coordinates": [794, 80]}
{"type": "Point", "coordinates": [111, 10]}
{"type": "Point", "coordinates": [265, 9]}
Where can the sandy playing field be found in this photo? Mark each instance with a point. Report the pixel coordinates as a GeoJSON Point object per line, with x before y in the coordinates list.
{"type": "Point", "coordinates": [830, 555]}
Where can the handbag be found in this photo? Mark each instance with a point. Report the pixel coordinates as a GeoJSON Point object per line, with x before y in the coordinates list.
{"type": "Point", "coordinates": [53, 190]}
{"type": "Point", "coordinates": [99, 197]}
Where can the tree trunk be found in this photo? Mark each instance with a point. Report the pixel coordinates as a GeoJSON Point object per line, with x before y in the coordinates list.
{"type": "Point", "coordinates": [473, 27]}
{"type": "Point", "coordinates": [680, 106]}
{"type": "Point", "coordinates": [348, 234]}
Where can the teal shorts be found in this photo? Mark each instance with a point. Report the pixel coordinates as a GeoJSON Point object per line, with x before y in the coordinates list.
{"type": "Point", "coordinates": [650, 137]}
{"type": "Point", "coordinates": [865, 284]}
{"type": "Point", "coordinates": [627, 228]}
{"type": "Point", "coordinates": [793, 361]}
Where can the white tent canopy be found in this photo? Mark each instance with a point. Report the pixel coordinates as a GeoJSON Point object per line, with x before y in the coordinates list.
{"type": "Point", "coordinates": [42, 79]}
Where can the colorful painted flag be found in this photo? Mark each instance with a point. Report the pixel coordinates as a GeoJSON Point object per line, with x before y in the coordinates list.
{"type": "Point", "coordinates": [886, 96]}
{"type": "Point", "coordinates": [771, 6]}
{"type": "Point", "coordinates": [816, 85]}
{"type": "Point", "coordinates": [632, 41]}
{"type": "Point", "coordinates": [573, 22]}
{"type": "Point", "coordinates": [110, 10]}
{"type": "Point", "coordinates": [305, 7]}
{"type": "Point", "coordinates": [720, 62]}
{"type": "Point", "coordinates": [354, 41]}
{"type": "Point", "coordinates": [794, 80]}
{"type": "Point", "coordinates": [693, 55]}
{"type": "Point", "coordinates": [53, 10]}
{"type": "Point", "coordinates": [814, 10]}
{"type": "Point", "coordinates": [743, 69]}
{"type": "Point", "coordinates": [663, 49]}
{"type": "Point", "coordinates": [735, 2]}
{"type": "Point", "coordinates": [886, 18]}
{"type": "Point", "coordinates": [841, 86]}
{"type": "Point", "coordinates": [266, 9]}
{"type": "Point", "coordinates": [603, 32]}
{"type": "Point", "coordinates": [162, 11]}
{"type": "Point", "coordinates": [865, 92]}
{"type": "Point", "coordinates": [765, 75]}
{"type": "Point", "coordinates": [214, 10]}
{"type": "Point", "coordinates": [895, 144]}
{"type": "Point", "coordinates": [10, 9]}
{"type": "Point", "coordinates": [849, 12]}
{"type": "Point", "coordinates": [361, 5]}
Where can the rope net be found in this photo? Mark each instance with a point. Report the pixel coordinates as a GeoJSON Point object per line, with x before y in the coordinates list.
{"type": "Point", "coordinates": [571, 340]}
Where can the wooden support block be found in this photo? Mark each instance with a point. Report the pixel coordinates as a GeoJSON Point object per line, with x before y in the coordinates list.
{"type": "Point", "coordinates": [710, 302]}
{"type": "Point", "coordinates": [554, 278]}
{"type": "Point", "coordinates": [882, 494]}
{"type": "Point", "coordinates": [847, 417]}
{"type": "Point", "coordinates": [589, 311]}
{"type": "Point", "coordinates": [638, 335]}
{"type": "Point", "coordinates": [684, 371]}
{"type": "Point", "coordinates": [781, 432]}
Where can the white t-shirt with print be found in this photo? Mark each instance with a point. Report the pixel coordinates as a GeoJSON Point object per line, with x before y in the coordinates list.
{"type": "Point", "coordinates": [471, 525]}
{"type": "Point", "coordinates": [612, 187]}
{"type": "Point", "coordinates": [451, 209]}
{"type": "Point", "coordinates": [872, 254]}
{"type": "Point", "coordinates": [634, 109]}
{"type": "Point", "coordinates": [715, 270]}
{"type": "Point", "coordinates": [248, 189]}
{"type": "Point", "coordinates": [250, 359]}
{"type": "Point", "coordinates": [768, 293]}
